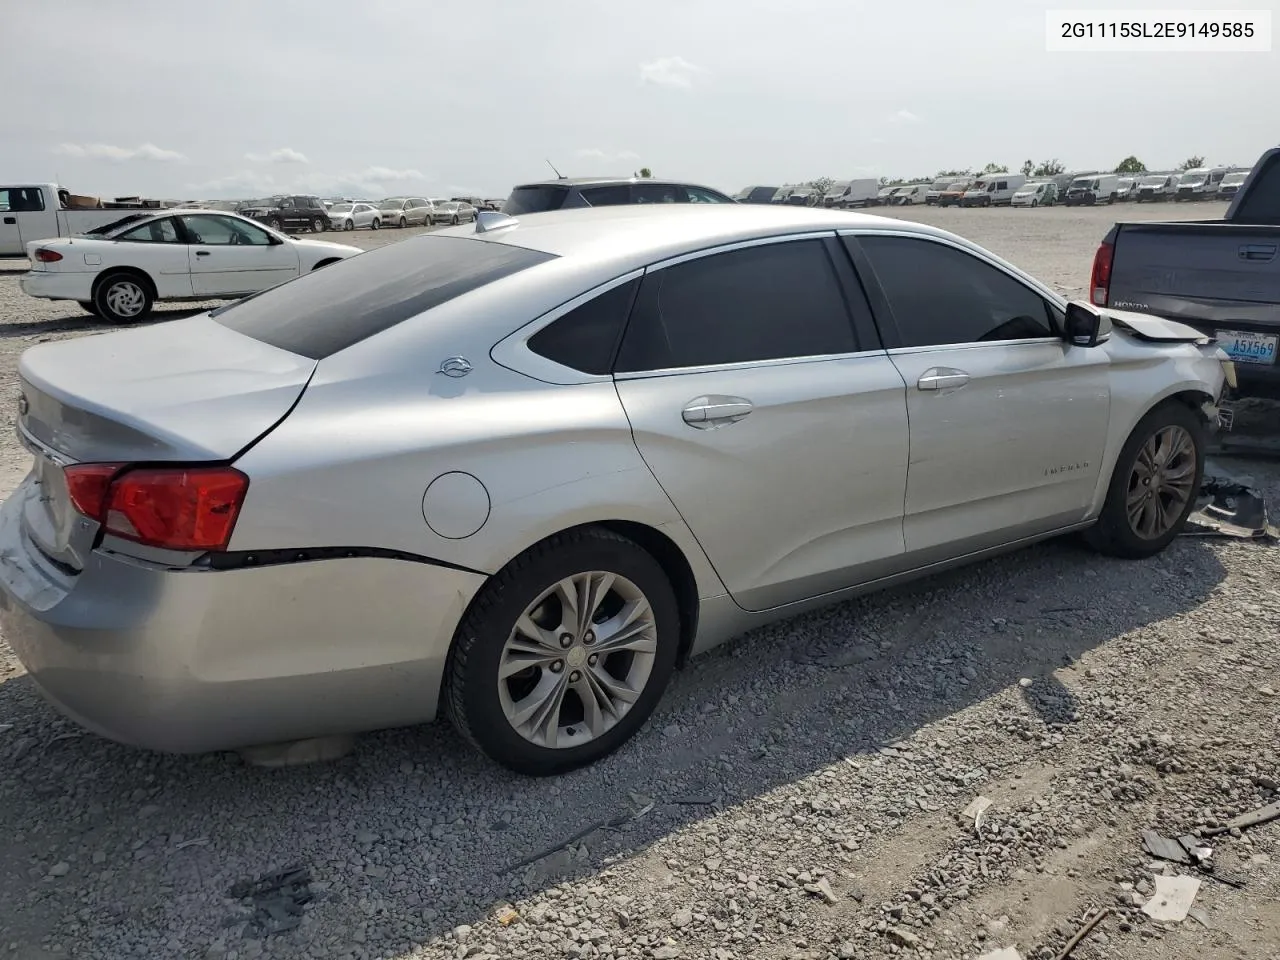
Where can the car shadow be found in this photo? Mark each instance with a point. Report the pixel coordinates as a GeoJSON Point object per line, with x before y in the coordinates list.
{"type": "Point", "coordinates": [82, 322]}
{"type": "Point", "coordinates": [764, 711]}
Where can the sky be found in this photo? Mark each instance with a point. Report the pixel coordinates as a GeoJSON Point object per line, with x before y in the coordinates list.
{"type": "Point", "coordinates": [370, 98]}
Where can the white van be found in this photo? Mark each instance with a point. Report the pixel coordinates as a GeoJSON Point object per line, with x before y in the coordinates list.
{"type": "Point", "coordinates": [1156, 187]}
{"type": "Point", "coordinates": [1043, 193]}
{"type": "Point", "coordinates": [937, 188]}
{"type": "Point", "coordinates": [857, 193]}
{"type": "Point", "coordinates": [912, 193]}
{"type": "Point", "coordinates": [993, 190]}
{"type": "Point", "coordinates": [1092, 188]}
{"type": "Point", "coordinates": [1200, 183]}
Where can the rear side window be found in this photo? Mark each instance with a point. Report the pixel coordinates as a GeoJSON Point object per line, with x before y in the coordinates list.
{"type": "Point", "coordinates": [585, 338]}
{"type": "Point", "coordinates": [1261, 202]}
{"type": "Point", "coordinates": [770, 302]}
{"type": "Point", "coordinates": [328, 310]}
{"type": "Point", "coordinates": [535, 198]}
{"type": "Point", "coordinates": [608, 196]}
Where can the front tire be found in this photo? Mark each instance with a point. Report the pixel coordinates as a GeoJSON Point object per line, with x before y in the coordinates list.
{"type": "Point", "coordinates": [348, 225]}
{"type": "Point", "coordinates": [543, 690]}
{"type": "Point", "coordinates": [454, 221]}
{"type": "Point", "coordinates": [275, 223]}
{"type": "Point", "coordinates": [375, 224]}
{"type": "Point", "coordinates": [403, 223]}
{"type": "Point", "coordinates": [123, 298]}
{"type": "Point", "coordinates": [317, 225]}
{"type": "Point", "coordinates": [1154, 486]}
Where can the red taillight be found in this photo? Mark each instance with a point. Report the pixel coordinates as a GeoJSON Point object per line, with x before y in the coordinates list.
{"type": "Point", "coordinates": [45, 255]}
{"type": "Point", "coordinates": [1100, 278]}
{"type": "Point", "coordinates": [178, 508]}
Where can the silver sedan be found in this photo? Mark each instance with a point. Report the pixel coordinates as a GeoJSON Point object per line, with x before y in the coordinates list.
{"type": "Point", "coordinates": [354, 216]}
{"type": "Point", "coordinates": [518, 472]}
{"type": "Point", "coordinates": [453, 211]}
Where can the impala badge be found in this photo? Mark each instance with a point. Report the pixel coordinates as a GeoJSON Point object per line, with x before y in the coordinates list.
{"type": "Point", "coordinates": [456, 367]}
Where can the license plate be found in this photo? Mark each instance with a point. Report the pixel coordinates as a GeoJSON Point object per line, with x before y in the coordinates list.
{"type": "Point", "coordinates": [1245, 347]}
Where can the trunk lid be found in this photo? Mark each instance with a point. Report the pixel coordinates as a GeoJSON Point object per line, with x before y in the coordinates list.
{"type": "Point", "coordinates": [184, 391]}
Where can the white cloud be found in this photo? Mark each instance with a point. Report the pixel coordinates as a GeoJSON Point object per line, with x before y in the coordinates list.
{"type": "Point", "coordinates": [372, 183]}
{"type": "Point", "coordinates": [596, 155]}
{"type": "Point", "coordinates": [105, 151]}
{"type": "Point", "coordinates": [280, 155]}
{"type": "Point", "coordinates": [903, 116]}
{"type": "Point", "coordinates": [670, 72]}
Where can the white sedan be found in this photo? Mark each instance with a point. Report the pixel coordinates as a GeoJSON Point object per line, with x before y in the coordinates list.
{"type": "Point", "coordinates": [175, 255]}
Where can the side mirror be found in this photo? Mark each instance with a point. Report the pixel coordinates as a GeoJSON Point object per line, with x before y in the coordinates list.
{"type": "Point", "coordinates": [1085, 326]}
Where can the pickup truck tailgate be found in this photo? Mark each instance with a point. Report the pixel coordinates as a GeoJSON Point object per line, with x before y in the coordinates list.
{"type": "Point", "coordinates": [1210, 275]}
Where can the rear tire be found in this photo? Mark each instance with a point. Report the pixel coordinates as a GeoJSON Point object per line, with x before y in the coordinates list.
{"type": "Point", "coordinates": [123, 298]}
{"type": "Point", "coordinates": [486, 707]}
{"type": "Point", "coordinates": [1173, 431]}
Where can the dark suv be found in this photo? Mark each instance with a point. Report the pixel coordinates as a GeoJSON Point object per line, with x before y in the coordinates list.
{"type": "Point", "coordinates": [293, 212]}
{"type": "Point", "coordinates": [604, 192]}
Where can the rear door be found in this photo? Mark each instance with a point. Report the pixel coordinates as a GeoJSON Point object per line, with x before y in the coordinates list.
{"type": "Point", "coordinates": [760, 398]}
{"type": "Point", "coordinates": [232, 257]}
{"type": "Point", "coordinates": [1008, 421]}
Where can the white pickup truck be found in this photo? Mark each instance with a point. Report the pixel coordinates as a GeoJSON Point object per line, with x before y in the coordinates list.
{"type": "Point", "coordinates": [40, 211]}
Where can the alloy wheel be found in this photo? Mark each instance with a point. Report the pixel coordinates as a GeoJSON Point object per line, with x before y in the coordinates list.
{"type": "Point", "coordinates": [1160, 484]}
{"type": "Point", "coordinates": [577, 660]}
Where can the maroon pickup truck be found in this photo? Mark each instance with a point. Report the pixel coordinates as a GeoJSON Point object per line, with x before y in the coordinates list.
{"type": "Point", "coordinates": [1220, 276]}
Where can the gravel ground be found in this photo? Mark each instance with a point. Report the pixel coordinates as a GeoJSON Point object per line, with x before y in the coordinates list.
{"type": "Point", "coordinates": [798, 793]}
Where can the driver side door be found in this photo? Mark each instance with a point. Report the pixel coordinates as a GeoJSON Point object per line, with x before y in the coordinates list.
{"type": "Point", "coordinates": [230, 257]}
{"type": "Point", "coordinates": [1008, 420]}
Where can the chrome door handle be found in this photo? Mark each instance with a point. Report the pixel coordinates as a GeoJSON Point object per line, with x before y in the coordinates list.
{"type": "Point", "coordinates": [942, 378]}
{"type": "Point", "coordinates": [705, 412]}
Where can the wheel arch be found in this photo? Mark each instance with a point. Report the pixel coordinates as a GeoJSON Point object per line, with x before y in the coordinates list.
{"type": "Point", "coordinates": [137, 272]}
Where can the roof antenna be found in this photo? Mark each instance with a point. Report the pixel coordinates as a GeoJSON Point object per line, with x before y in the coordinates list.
{"type": "Point", "coordinates": [559, 175]}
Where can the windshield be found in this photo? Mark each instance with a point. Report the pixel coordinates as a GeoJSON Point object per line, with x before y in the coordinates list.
{"type": "Point", "coordinates": [1193, 177]}
{"type": "Point", "coordinates": [1235, 178]}
{"type": "Point", "coordinates": [958, 185]}
{"type": "Point", "coordinates": [391, 204]}
{"type": "Point", "coordinates": [940, 185]}
{"type": "Point", "coordinates": [535, 198]}
{"type": "Point", "coordinates": [1152, 182]}
{"type": "Point", "coordinates": [1082, 183]}
{"type": "Point", "coordinates": [342, 207]}
{"type": "Point", "coordinates": [1125, 182]}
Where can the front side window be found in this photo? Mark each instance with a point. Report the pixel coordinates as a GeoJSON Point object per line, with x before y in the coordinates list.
{"type": "Point", "coordinates": [157, 231]}
{"type": "Point", "coordinates": [585, 338]}
{"type": "Point", "coordinates": [770, 302]}
{"type": "Point", "coordinates": [701, 195]}
{"type": "Point", "coordinates": [223, 231]}
{"type": "Point", "coordinates": [964, 300]}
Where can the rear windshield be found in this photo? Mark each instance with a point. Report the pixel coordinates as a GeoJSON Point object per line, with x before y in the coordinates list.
{"type": "Point", "coordinates": [323, 312]}
{"type": "Point", "coordinates": [536, 198]}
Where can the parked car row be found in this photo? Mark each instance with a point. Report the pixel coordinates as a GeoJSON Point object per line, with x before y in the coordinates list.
{"type": "Point", "coordinates": [290, 213]}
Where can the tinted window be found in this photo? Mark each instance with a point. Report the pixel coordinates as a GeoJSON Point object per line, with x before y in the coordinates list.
{"type": "Point", "coordinates": [586, 337]}
{"type": "Point", "coordinates": [939, 295]}
{"type": "Point", "coordinates": [323, 312]}
{"type": "Point", "coordinates": [22, 199]}
{"type": "Point", "coordinates": [157, 231]}
{"type": "Point", "coordinates": [608, 196]}
{"type": "Point", "coordinates": [656, 193]}
{"type": "Point", "coordinates": [759, 303]}
{"type": "Point", "coordinates": [536, 198]}
{"type": "Point", "coordinates": [703, 195]}
{"type": "Point", "coordinates": [1260, 203]}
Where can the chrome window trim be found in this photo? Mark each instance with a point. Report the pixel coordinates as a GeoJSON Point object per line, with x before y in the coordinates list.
{"type": "Point", "coordinates": [816, 234]}
{"type": "Point", "coordinates": [974, 251]}
{"type": "Point", "coordinates": [746, 365]}
{"type": "Point", "coordinates": [514, 353]}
